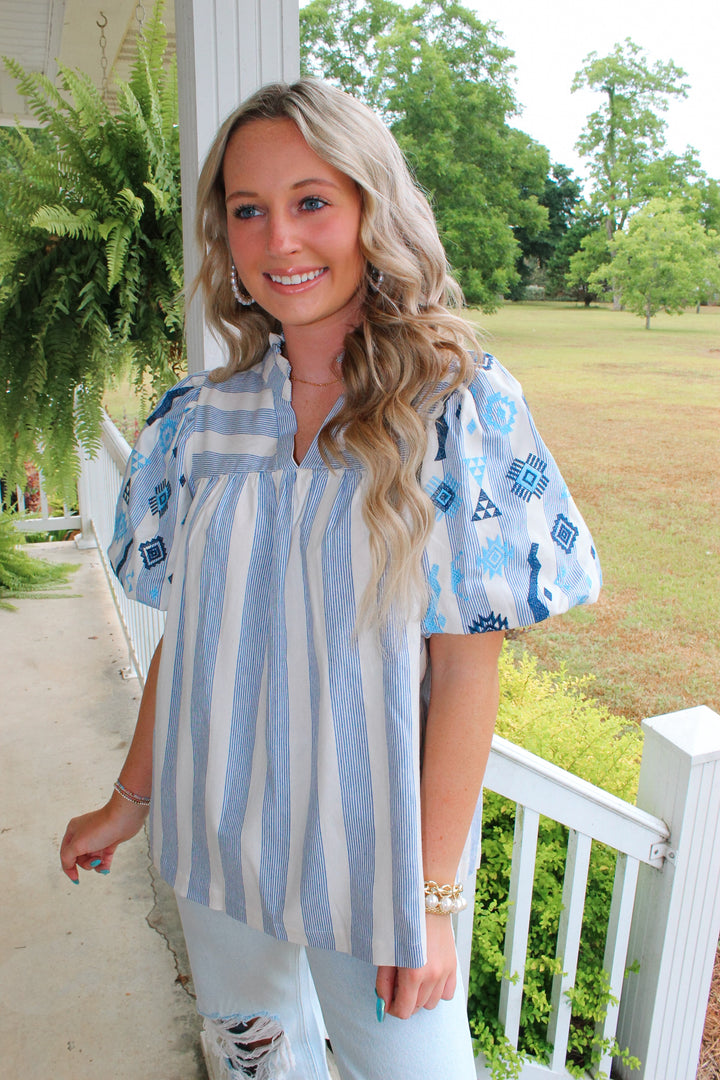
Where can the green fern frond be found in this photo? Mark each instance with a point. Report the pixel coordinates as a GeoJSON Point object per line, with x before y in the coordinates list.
{"type": "Point", "coordinates": [61, 222]}
{"type": "Point", "coordinates": [135, 126]}
{"type": "Point", "coordinates": [41, 94]}
{"type": "Point", "coordinates": [126, 200]}
{"type": "Point", "coordinates": [116, 250]}
{"type": "Point", "coordinates": [161, 198]}
{"type": "Point", "coordinates": [89, 106]}
{"type": "Point", "coordinates": [147, 69]}
{"type": "Point", "coordinates": [169, 104]}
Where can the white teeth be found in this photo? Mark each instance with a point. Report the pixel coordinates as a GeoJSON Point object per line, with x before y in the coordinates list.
{"type": "Point", "coordinates": [295, 279]}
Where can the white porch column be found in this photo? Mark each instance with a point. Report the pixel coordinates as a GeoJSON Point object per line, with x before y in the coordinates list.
{"type": "Point", "coordinates": [226, 49]}
{"type": "Point", "coordinates": [676, 920]}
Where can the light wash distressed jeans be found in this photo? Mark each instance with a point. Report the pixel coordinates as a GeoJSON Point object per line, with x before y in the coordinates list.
{"type": "Point", "coordinates": [275, 997]}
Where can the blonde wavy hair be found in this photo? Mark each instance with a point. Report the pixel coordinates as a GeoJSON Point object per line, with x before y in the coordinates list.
{"type": "Point", "coordinates": [409, 350]}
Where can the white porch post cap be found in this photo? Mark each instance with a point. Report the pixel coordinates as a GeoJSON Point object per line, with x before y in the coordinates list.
{"type": "Point", "coordinates": [695, 732]}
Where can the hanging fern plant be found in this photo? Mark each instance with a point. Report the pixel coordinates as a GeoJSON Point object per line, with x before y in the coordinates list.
{"type": "Point", "coordinates": [91, 268]}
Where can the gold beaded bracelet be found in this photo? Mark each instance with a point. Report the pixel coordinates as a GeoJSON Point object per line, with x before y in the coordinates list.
{"type": "Point", "coordinates": [138, 800]}
{"type": "Point", "coordinates": [444, 899]}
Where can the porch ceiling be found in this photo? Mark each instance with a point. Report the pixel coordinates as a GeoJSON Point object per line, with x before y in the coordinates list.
{"type": "Point", "coordinates": [38, 33]}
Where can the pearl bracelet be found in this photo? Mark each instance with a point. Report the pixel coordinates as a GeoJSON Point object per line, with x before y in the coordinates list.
{"type": "Point", "coordinates": [138, 800]}
{"type": "Point", "coordinates": [444, 899]}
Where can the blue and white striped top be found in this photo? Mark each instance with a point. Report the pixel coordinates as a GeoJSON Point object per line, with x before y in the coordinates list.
{"type": "Point", "coordinates": [287, 746]}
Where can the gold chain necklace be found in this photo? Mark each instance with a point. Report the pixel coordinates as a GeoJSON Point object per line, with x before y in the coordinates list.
{"type": "Point", "coordinates": [306, 382]}
{"type": "Point", "coordinates": [320, 385]}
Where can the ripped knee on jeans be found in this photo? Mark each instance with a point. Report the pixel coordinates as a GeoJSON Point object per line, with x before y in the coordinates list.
{"type": "Point", "coordinates": [254, 1047]}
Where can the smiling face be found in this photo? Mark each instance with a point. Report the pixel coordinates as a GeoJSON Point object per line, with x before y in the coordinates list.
{"type": "Point", "coordinates": [293, 225]}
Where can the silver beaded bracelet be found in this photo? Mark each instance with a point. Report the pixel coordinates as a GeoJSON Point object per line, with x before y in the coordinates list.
{"type": "Point", "coordinates": [138, 800]}
{"type": "Point", "coordinates": [444, 899]}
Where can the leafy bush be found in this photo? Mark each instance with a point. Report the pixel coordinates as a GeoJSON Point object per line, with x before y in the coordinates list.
{"type": "Point", "coordinates": [550, 715]}
{"type": "Point", "coordinates": [91, 267]}
{"type": "Point", "coordinates": [21, 574]}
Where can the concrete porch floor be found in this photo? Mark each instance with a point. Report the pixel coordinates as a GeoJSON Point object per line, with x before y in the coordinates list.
{"type": "Point", "coordinates": [94, 980]}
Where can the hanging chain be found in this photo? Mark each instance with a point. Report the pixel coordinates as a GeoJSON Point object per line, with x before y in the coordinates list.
{"type": "Point", "coordinates": [140, 17]}
{"type": "Point", "coordinates": [103, 54]}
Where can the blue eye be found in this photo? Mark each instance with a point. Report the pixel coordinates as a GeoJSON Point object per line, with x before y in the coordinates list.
{"type": "Point", "coordinates": [313, 202]}
{"type": "Point", "coordinates": [245, 212]}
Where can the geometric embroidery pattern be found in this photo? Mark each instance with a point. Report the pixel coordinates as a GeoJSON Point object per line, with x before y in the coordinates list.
{"type": "Point", "coordinates": [444, 494]}
{"type": "Point", "coordinates": [485, 508]}
{"type": "Point", "coordinates": [126, 492]}
{"type": "Point", "coordinates": [166, 402]}
{"type": "Point", "coordinates": [153, 552]}
{"type": "Point", "coordinates": [537, 607]}
{"type": "Point", "coordinates": [457, 576]}
{"type": "Point", "coordinates": [160, 501]}
{"type": "Point", "coordinates": [483, 624]}
{"type": "Point", "coordinates": [476, 468]}
{"type": "Point", "coordinates": [167, 432]}
{"type": "Point", "coordinates": [434, 622]}
{"type": "Point", "coordinates": [137, 461]}
{"type": "Point", "coordinates": [528, 477]}
{"type": "Point", "coordinates": [564, 533]}
{"type": "Point", "coordinates": [121, 525]}
{"type": "Point", "coordinates": [500, 413]}
{"type": "Point", "coordinates": [441, 427]}
{"type": "Point", "coordinates": [487, 361]}
{"type": "Point", "coordinates": [495, 556]}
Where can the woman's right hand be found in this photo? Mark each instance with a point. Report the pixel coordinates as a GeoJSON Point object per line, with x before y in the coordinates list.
{"type": "Point", "coordinates": [91, 839]}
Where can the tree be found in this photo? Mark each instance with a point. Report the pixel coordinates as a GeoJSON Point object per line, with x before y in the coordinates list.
{"type": "Point", "coordinates": [625, 136]}
{"type": "Point", "coordinates": [624, 139]}
{"type": "Point", "coordinates": [560, 197]}
{"type": "Point", "coordinates": [91, 267]}
{"type": "Point", "coordinates": [708, 193]}
{"type": "Point", "coordinates": [664, 261]}
{"type": "Point", "coordinates": [592, 253]}
{"type": "Point", "coordinates": [440, 77]}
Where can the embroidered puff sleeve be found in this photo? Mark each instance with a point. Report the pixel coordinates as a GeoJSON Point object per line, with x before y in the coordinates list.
{"type": "Point", "coordinates": [155, 496]}
{"type": "Point", "coordinates": [509, 547]}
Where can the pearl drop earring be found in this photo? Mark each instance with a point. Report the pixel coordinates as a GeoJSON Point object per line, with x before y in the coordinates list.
{"type": "Point", "coordinates": [242, 298]}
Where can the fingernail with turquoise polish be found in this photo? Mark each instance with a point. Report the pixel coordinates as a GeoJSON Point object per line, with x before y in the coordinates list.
{"type": "Point", "coordinates": [379, 1008]}
{"type": "Point", "coordinates": [103, 871]}
{"type": "Point", "coordinates": [94, 863]}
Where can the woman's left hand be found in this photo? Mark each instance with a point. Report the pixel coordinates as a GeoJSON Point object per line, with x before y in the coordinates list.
{"type": "Point", "coordinates": [406, 990]}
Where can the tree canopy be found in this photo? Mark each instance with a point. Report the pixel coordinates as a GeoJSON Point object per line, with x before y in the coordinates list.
{"type": "Point", "coordinates": [624, 138]}
{"type": "Point", "coordinates": [644, 198]}
{"type": "Point", "coordinates": [664, 261]}
{"type": "Point", "coordinates": [442, 80]}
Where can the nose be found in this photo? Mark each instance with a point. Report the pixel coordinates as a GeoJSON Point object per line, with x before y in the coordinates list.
{"type": "Point", "coordinates": [282, 237]}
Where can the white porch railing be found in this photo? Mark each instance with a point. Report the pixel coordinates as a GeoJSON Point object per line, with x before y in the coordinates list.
{"type": "Point", "coordinates": [665, 909]}
{"type": "Point", "coordinates": [64, 522]}
{"type": "Point", "coordinates": [98, 493]}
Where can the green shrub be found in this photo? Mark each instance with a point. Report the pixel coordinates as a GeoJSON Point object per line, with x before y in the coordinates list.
{"type": "Point", "coordinates": [550, 715]}
{"type": "Point", "coordinates": [22, 574]}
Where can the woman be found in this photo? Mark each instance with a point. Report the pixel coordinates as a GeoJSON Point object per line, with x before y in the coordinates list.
{"type": "Point", "coordinates": [341, 524]}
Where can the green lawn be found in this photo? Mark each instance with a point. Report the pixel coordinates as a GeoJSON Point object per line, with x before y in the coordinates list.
{"type": "Point", "coordinates": [633, 419]}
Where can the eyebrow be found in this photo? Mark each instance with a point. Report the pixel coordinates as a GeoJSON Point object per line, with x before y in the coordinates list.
{"type": "Point", "coordinates": [312, 181]}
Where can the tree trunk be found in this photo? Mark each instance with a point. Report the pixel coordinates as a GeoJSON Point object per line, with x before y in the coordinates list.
{"type": "Point", "coordinates": [647, 316]}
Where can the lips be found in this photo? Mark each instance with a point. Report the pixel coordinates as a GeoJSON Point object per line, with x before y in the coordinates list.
{"type": "Point", "coordinates": [297, 279]}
